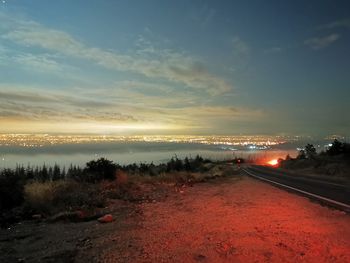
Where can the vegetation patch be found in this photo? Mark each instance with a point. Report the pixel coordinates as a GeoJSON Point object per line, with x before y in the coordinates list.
{"type": "Point", "coordinates": [42, 192]}
{"type": "Point", "coordinates": [335, 161]}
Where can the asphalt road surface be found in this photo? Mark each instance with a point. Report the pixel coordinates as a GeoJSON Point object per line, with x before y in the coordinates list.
{"type": "Point", "coordinates": [336, 193]}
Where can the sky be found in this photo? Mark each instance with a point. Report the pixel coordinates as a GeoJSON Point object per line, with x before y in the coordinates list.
{"type": "Point", "coordinates": [175, 67]}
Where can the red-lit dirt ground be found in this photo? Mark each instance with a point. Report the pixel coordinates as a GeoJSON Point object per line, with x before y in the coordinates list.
{"type": "Point", "coordinates": [234, 219]}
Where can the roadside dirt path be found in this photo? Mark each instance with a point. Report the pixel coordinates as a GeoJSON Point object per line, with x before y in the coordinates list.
{"type": "Point", "coordinates": [235, 219]}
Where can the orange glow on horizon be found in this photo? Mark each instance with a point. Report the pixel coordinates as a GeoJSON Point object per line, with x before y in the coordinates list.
{"type": "Point", "coordinates": [273, 162]}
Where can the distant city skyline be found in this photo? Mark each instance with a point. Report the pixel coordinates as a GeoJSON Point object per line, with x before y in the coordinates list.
{"type": "Point", "coordinates": [175, 67]}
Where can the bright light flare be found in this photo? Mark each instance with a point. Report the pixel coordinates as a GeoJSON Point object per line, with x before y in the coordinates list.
{"type": "Point", "coordinates": [273, 162]}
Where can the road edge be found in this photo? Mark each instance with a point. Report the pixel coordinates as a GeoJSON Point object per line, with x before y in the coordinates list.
{"type": "Point", "coordinates": [324, 200]}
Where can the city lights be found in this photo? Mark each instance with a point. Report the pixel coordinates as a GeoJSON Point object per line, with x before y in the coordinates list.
{"type": "Point", "coordinates": [40, 140]}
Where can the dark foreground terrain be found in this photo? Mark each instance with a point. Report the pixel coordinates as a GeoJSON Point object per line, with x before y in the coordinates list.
{"type": "Point", "coordinates": [232, 219]}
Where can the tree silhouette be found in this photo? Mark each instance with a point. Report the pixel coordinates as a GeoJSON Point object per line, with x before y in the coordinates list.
{"type": "Point", "coordinates": [310, 151]}
{"type": "Point", "coordinates": [187, 164]}
{"type": "Point", "coordinates": [101, 169]}
{"type": "Point", "coordinates": [301, 155]}
{"type": "Point", "coordinates": [56, 173]}
{"type": "Point", "coordinates": [336, 148]}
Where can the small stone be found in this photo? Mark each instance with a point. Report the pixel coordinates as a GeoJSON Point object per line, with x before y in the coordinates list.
{"type": "Point", "coordinates": [37, 216]}
{"type": "Point", "coordinates": [108, 218]}
{"type": "Point", "coordinates": [199, 257]}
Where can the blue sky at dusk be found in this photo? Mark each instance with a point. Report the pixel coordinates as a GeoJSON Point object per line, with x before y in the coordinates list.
{"type": "Point", "coordinates": [175, 67]}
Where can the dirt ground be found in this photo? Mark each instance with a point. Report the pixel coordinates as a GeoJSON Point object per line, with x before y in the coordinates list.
{"type": "Point", "coordinates": [235, 219]}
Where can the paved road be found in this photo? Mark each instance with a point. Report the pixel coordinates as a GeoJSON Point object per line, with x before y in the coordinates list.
{"type": "Point", "coordinates": [330, 190]}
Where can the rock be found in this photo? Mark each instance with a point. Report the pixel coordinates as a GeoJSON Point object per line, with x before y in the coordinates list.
{"type": "Point", "coordinates": [108, 218]}
{"type": "Point", "coordinates": [200, 257]}
{"type": "Point", "coordinates": [37, 216]}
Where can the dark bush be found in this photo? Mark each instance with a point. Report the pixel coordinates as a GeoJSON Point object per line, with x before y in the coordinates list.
{"type": "Point", "coordinates": [11, 189]}
{"type": "Point", "coordinates": [100, 169]}
{"type": "Point", "coordinates": [339, 148]}
{"type": "Point", "coordinates": [48, 198]}
{"type": "Point", "coordinates": [301, 155]}
{"type": "Point", "coordinates": [310, 151]}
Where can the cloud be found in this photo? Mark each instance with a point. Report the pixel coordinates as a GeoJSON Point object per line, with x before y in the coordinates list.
{"type": "Point", "coordinates": [142, 86]}
{"type": "Point", "coordinates": [175, 67]}
{"type": "Point", "coordinates": [203, 15]}
{"type": "Point", "coordinates": [321, 42]}
{"type": "Point", "coordinates": [37, 95]}
{"type": "Point", "coordinates": [221, 112]}
{"type": "Point", "coordinates": [273, 50]}
{"type": "Point", "coordinates": [124, 107]}
{"type": "Point", "coordinates": [169, 89]}
{"type": "Point", "coordinates": [44, 108]}
{"type": "Point", "coordinates": [345, 23]}
{"type": "Point", "coordinates": [240, 47]}
{"type": "Point", "coordinates": [29, 100]}
{"type": "Point", "coordinates": [4, 59]}
{"type": "Point", "coordinates": [23, 95]}
{"type": "Point", "coordinates": [42, 63]}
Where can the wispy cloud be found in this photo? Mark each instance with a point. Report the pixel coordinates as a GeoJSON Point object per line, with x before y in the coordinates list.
{"type": "Point", "coordinates": [203, 15]}
{"type": "Point", "coordinates": [31, 105]}
{"type": "Point", "coordinates": [167, 88]}
{"type": "Point", "coordinates": [42, 62]}
{"type": "Point", "coordinates": [345, 23]}
{"type": "Point", "coordinates": [176, 67]}
{"type": "Point", "coordinates": [150, 87]}
{"type": "Point", "coordinates": [273, 50]}
{"type": "Point", "coordinates": [221, 112]}
{"type": "Point", "coordinates": [240, 47]}
{"type": "Point", "coordinates": [123, 108]}
{"type": "Point", "coordinates": [321, 42]}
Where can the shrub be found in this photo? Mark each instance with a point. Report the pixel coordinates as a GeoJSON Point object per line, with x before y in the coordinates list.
{"type": "Point", "coordinates": [72, 195]}
{"type": "Point", "coordinates": [121, 177]}
{"type": "Point", "coordinates": [11, 190]}
{"type": "Point", "coordinates": [100, 169]}
{"type": "Point", "coordinates": [52, 197]}
{"type": "Point", "coordinates": [310, 151]}
{"type": "Point", "coordinates": [339, 148]}
{"type": "Point", "coordinates": [301, 155]}
{"type": "Point", "coordinates": [39, 196]}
